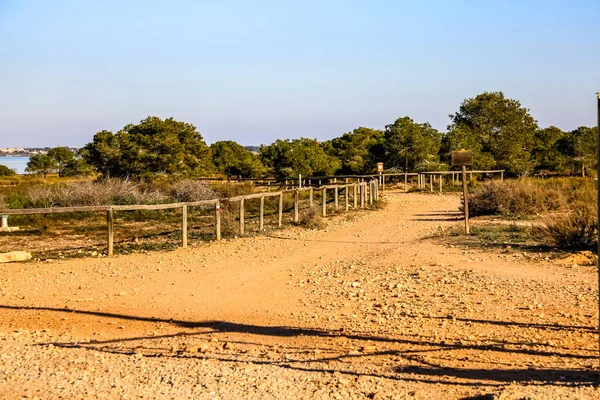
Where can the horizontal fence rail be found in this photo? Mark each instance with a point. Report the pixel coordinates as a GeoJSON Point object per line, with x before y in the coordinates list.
{"type": "Point", "coordinates": [319, 181]}
{"type": "Point", "coordinates": [362, 193]}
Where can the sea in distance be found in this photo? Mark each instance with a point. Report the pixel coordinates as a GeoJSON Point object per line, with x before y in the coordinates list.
{"type": "Point", "coordinates": [18, 163]}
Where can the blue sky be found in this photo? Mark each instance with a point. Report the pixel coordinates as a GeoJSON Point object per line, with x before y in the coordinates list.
{"type": "Point", "coordinates": [257, 71]}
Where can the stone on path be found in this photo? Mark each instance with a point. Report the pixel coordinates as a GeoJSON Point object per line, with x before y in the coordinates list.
{"type": "Point", "coordinates": [13, 256]}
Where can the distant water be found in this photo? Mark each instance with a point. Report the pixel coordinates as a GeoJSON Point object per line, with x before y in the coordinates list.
{"type": "Point", "coordinates": [17, 163]}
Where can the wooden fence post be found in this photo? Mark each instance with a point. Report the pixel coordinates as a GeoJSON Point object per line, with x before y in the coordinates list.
{"type": "Point", "coordinates": [335, 195]}
{"type": "Point", "coordinates": [280, 211]}
{"type": "Point", "coordinates": [431, 183]}
{"type": "Point", "coordinates": [110, 224]}
{"type": "Point", "coordinates": [242, 222]}
{"type": "Point", "coordinates": [310, 197]}
{"type": "Point", "coordinates": [346, 198]}
{"type": "Point", "coordinates": [362, 195]}
{"type": "Point", "coordinates": [296, 205]}
{"type": "Point", "coordinates": [501, 176]}
{"type": "Point", "coordinates": [441, 183]}
{"type": "Point", "coordinates": [184, 232]}
{"type": "Point", "coordinates": [218, 220]}
{"type": "Point", "coordinates": [354, 193]}
{"type": "Point", "coordinates": [324, 196]}
{"type": "Point", "coordinates": [261, 214]}
{"type": "Point", "coordinates": [371, 192]}
{"type": "Point", "coordinates": [465, 199]}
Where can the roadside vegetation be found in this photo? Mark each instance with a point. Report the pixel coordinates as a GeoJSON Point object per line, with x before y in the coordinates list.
{"type": "Point", "coordinates": [84, 234]}
{"type": "Point", "coordinates": [564, 209]}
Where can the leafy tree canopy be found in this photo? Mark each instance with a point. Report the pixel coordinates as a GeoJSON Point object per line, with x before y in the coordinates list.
{"type": "Point", "coordinates": [579, 148]}
{"type": "Point", "coordinates": [233, 159]}
{"type": "Point", "coordinates": [546, 153]}
{"type": "Point", "coordinates": [5, 171]}
{"type": "Point", "coordinates": [355, 150]}
{"type": "Point", "coordinates": [63, 156]}
{"type": "Point", "coordinates": [410, 145]}
{"type": "Point", "coordinates": [497, 128]}
{"type": "Point", "coordinates": [149, 149]}
{"type": "Point", "coordinates": [290, 158]}
{"type": "Point", "coordinates": [41, 164]}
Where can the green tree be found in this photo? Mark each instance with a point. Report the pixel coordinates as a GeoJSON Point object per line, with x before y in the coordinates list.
{"type": "Point", "coordinates": [103, 153]}
{"type": "Point", "coordinates": [410, 145]}
{"type": "Point", "coordinates": [354, 150]}
{"type": "Point", "coordinates": [495, 127]}
{"type": "Point", "coordinates": [152, 148]}
{"type": "Point", "coordinates": [233, 159]}
{"type": "Point", "coordinates": [77, 167]}
{"type": "Point", "coordinates": [41, 164]}
{"type": "Point", "coordinates": [458, 139]}
{"type": "Point", "coordinates": [579, 149]}
{"type": "Point", "coordinates": [63, 157]}
{"type": "Point", "coordinates": [546, 153]}
{"type": "Point", "coordinates": [5, 171]}
{"type": "Point", "coordinates": [290, 158]}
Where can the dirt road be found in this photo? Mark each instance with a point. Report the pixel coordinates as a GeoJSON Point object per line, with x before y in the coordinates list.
{"type": "Point", "coordinates": [374, 306]}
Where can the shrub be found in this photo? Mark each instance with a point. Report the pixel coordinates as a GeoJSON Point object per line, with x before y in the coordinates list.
{"type": "Point", "coordinates": [16, 200]}
{"type": "Point", "coordinates": [5, 171]}
{"type": "Point", "coordinates": [311, 218]}
{"type": "Point", "coordinates": [88, 193]}
{"type": "Point", "coordinates": [517, 198]}
{"type": "Point", "coordinates": [190, 190]}
{"type": "Point", "coordinates": [230, 189]}
{"type": "Point", "coordinates": [576, 230]}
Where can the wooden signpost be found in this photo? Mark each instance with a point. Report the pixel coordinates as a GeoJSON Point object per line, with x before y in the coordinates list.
{"type": "Point", "coordinates": [464, 158]}
{"type": "Point", "coordinates": [381, 177]}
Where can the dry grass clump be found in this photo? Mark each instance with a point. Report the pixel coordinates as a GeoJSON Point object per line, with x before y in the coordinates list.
{"type": "Point", "coordinates": [521, 198]}
{"type": "Point", "coordinates": [231, 189]}
{"type": "Point", "coordinates": [190, 190]}
{"type": "Point", "coordinates": [89, 193]}
{"type": "Point", "coordinates": [514, 199]}
{"type": "Point", "coordinates": [311, 218]}
{"type": "Point", "coordinates": [576, 230]}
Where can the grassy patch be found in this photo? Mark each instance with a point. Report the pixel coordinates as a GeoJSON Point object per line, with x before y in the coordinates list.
{"type": "Point", "coordinates": [495, 236]}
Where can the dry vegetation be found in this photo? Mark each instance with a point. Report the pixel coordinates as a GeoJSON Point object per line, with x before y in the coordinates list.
{"type": "Point", "coordinates": [566, 207]}
{"type": "Point", "coordinates": [84, 234]}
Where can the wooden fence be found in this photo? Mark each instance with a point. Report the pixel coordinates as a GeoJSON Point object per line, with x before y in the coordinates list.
{"type": "Point", "coordinates": [418, 178]}
{"type": "Point", "coordinates": [436, 178]}
{"type": "Point", "coordinates": [362, 193]}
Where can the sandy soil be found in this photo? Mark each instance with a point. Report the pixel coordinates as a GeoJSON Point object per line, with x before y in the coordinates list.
{"type": "Point", "coordinates": [374, 306]}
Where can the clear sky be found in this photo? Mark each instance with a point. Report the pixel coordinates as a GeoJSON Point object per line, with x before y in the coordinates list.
{"type": "Point", "coordinates": [255, 71]}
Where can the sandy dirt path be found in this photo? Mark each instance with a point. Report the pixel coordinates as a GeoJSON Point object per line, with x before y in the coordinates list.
{"type": "Point", "coordinates": [374, 306]}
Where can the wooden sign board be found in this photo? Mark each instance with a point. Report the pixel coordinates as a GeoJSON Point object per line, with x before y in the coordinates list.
{"type": "Point", "coordinates": [379, 167]}
{"type": "Point", "coordinates": [462, 157]}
